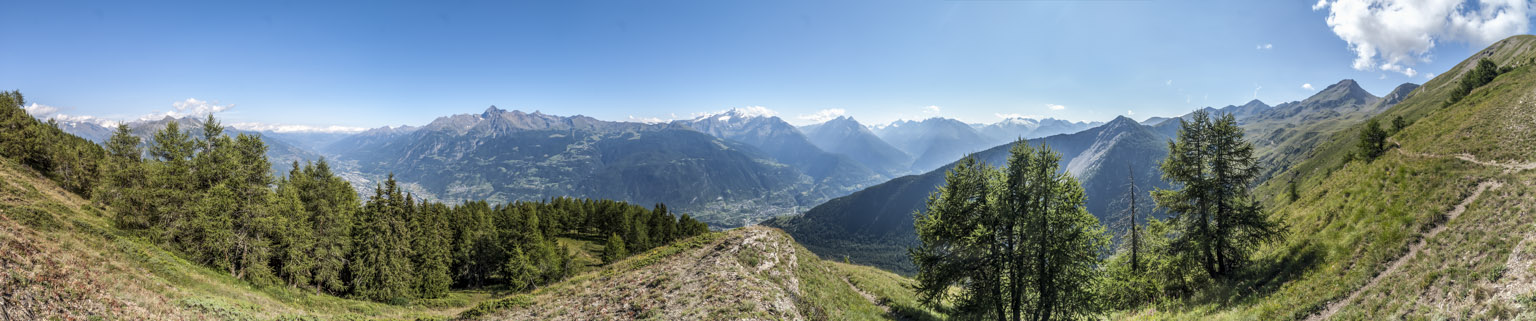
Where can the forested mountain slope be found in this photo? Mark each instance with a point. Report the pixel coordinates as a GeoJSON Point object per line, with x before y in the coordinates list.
{"type": "Point", "coordinates": [874, 226]}
{"type": "Point", "coordinates": [503, 156]}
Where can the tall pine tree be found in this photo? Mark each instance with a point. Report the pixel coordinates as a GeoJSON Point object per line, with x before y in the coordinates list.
{"type": "Point", "coordinates": [381, 264]}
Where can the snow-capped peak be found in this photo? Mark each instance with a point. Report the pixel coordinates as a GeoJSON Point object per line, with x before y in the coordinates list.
{"type": "Point", "coordinates": [741, 113]}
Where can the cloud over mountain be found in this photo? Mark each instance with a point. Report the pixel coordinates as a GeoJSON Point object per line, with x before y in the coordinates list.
{"type": "Point", "coordinates": [1396, 35]}
{"type": "Point", "coordinates": [823, 115]}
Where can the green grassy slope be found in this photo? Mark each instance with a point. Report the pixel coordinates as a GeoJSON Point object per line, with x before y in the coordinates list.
{"type": "Point", "coordinates": [61, 258]}
{"type": "Point", "coordinates": [1403, 236]}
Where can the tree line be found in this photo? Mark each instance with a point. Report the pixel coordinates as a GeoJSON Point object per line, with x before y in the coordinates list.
{"type": "Point", "coordinates": [212, 199]}
{"type": "Point", "coordinates": [1016, 243]}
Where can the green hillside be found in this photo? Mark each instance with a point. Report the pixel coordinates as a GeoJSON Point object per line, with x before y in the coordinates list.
{"type": "Point", "coordinates": [1435, 228]}
{"type": "Point", "coordinates": [65, 260]}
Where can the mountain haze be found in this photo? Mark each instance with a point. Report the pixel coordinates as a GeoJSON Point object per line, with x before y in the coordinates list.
{"type": "Point", "coordinates": [844, 135]}
{"type": "Point", "coordinates": [932, 142]}
{"type": "Point", "coordinates": [834, 174]}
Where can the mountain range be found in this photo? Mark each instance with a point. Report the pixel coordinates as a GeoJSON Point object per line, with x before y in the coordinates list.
{"type": "Point", "coordinates": [282, 150]}
{"type": "Point", "coordinates": [847, 136]}
{"type": "Point", "coordinates": [834, 174]}
{"type": "Point", "coordinates": [874, 226]}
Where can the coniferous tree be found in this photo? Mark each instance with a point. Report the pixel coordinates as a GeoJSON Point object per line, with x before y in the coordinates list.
{"type": "Point", "coordinates": [1219, 223]}
{"type": "Point", "coordinates": [170, 190]}
{"type": "Point", "coordinates": [294, 247]}
{"type": "Point", "coordinates": [519, 272]}
{"type": "Point", "coordinates": [1397, 125]}
{"type": "Point", "coordinates": [123, 181]}
{"type": "Point", "coordinates": [614, 249]}
{"type": "Point", "coordinates": [1016, 241]}
{"type": "Point", "coordinates": [24, 139]}
{"type": "Point", "coordinates": [381, 265]}
{"type": "Point", "coordinates": [332, 206]}
{"type": "Point", "coordinates": [661, 224]}
{"type": "Point", "coordinates": [473, 243]}
{"type": "Point", "coordinates": [1134, 237]}
{"type": "Point", "coordinates": [75, 162]}
{"type": "Point", "coordinates": [1373, 141]}
{"type": "Point", "coordinates": [208, 234]}
{"type": "Point", "coordinates": [432, 251]}
{"type": "Point", "coordinates": [255, 227]}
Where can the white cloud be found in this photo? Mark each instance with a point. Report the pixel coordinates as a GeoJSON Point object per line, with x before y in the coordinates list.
{"type": "Point", "coordinates": [824, 115]}
{"type": "Point", "coordinates": [1266, 46]}
{"type": "Point", "coordinates": [1307, 86]}
{"type": "Point", "coordinates": [38, 109]}
{"type": "Point", "coordinates": [932, 110]}
{"type": "Point", "coordinates": [647, 120]}
{"type": "Point", "coordinates": [1395, 35]}
{"type": "Point", "coordinates": [189, 107]}
{"type": "Point", "coordinates": [1256, 91]}
{"type": "Point", "coordinates": [1055, 106]}
{"type": "Point", "coordinates": [1130, 112]}
{"type": "Point", "coordinates": [41, 111]}
{"type": "Point", "coordinates": [1016, 115]}
{"type": "Point", "coordinates": [1168, 83]}
{"type": "Point", "coordinates": [282, 128]}
{"type": "Point", "coordinates": [1429, 75]}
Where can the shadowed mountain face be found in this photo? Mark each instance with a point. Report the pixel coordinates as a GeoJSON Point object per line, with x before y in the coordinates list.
{"type": "Point", "coordinates": [504, 156]}
{"type": "Point", "coordinates": [847, 136]}
{"type": "Point", "coordinates": [834, 174]}
{"type": "Point", "coordinates": [874, 226]}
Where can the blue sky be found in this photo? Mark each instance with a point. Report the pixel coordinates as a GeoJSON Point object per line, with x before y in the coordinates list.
{"type": "Point", "coordinates": [369, 64]}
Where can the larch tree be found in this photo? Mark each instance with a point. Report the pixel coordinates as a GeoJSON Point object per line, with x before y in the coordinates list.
{"type": "Point", "coordinates": [1219, 222]}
